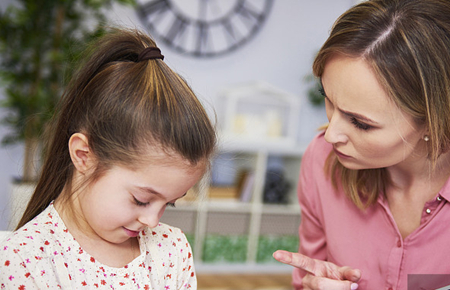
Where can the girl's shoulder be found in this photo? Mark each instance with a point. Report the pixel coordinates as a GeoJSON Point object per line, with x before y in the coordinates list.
{"type": "Point", "coordinates": [164, 234]}
{"type": "Point", "coordinates": [167, 246]}
{"type": "Point", "coordinates": [163, 231]}
{"type": "Point", "coordinates": [36, 238]}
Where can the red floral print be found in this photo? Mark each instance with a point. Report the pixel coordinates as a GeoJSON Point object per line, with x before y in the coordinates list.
{"type": "Point", "coordinates": [56, 253]}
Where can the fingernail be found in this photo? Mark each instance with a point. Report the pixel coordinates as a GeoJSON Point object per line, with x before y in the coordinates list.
{"type": "Point", "coordinates": [354, 286]}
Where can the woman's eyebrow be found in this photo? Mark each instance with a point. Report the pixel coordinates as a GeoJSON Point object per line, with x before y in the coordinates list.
{"type": "Point", "coordinates": [358, 116]}
{"type": "Point", "coordinates": [347, 113]}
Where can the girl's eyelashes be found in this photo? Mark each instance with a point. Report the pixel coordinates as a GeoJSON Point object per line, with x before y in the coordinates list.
{"type": "Point", "coordinates": [140, 203]}
{"type": "Point", "coordinates": [359, 125]}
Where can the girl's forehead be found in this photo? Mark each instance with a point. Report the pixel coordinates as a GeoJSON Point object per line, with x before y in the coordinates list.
{"type": "Point", "coordinates": [156, 156]}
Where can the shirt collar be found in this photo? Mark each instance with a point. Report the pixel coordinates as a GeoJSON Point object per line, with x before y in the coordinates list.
{"type": "Point", "coordinates": [445, 190]}
{"type": "Point", "coordinates": [444, 193]}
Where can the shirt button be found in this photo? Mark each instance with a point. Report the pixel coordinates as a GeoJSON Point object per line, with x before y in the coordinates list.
{"type": "Point", "coordinates": [399, 244]}
{"type": "Point", "coordinates": [439, 198]}
{"type": "Point", "coordinates": [390, 288]}
{"type": "Point", "coordinates": [428, 210]}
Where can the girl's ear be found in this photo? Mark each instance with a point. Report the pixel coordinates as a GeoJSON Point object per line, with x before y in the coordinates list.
{"type": "Point", "coordinates": [80, 153]}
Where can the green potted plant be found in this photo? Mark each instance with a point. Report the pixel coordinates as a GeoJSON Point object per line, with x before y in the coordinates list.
{"type": "Point", "coordinates": [314, 95]}
{"type": "Point", "coordinates": [39, 42]}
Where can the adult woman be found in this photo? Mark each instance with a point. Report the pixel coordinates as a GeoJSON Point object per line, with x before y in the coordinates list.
{"type": "Point", "coordinates": [385, 71]}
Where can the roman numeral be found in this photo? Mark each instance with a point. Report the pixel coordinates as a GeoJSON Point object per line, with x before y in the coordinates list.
{"type": "Point", "coordinates": [249, 14]}
{"type": "Point", "coordinates": [202, 39]}
{"type": "Point", "coordinates": [232, 35]}
{"type": "Point", "coordinates": [151, 10]}
{"type": "Point", "coordinates": [177, 29]}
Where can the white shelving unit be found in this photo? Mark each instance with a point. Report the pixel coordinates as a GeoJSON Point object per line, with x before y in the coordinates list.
{"type": "Point", "coordinates": [258, 126]}
{"type": "Point", "coordinates": [199, 217]}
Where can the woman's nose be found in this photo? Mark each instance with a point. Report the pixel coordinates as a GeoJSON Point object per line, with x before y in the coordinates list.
{"type": "Point", "coordinates": [335, 132]}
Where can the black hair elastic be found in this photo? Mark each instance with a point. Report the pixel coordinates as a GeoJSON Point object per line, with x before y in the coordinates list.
{"type": "Point", "coordinates": [151, 52]}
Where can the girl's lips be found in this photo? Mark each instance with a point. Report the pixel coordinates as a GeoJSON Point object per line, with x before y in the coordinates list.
{"type": "Point", "coordinates": [131, 233]}
{"type": "Point", "coordinates": [340, 154]}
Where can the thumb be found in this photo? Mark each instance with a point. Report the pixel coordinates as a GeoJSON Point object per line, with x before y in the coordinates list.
{"type": "Point", "coordinates": [350, 274]}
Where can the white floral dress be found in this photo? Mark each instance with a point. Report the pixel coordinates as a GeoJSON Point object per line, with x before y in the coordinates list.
{"type": "Point", "coordinates": [44, 255]}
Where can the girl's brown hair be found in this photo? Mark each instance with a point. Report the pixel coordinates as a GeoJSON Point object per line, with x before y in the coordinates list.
{"type": "Point", "coordinates": [407, 43]}
{"type": "Point", "coordinates": [123, 106]}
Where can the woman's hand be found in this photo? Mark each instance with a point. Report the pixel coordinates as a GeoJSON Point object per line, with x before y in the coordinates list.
{"type": "Point", "coordinates": [321, 275]}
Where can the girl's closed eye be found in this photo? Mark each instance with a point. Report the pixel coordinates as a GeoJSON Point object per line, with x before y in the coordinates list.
{"type": "Point", "coordinates": [139, 203]}
{"type": "Point", "coordinates": [360, 125]}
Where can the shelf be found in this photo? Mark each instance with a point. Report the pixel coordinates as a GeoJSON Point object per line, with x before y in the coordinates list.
{"type": "Point", "coordinates": [229, 234]}
{"type": "Point", "coordinates": [228, 206]}
{"type": "Point", "coordinates": [288, 209]}
{"type": "Point", "coordinates": [269, 146]}
{"type": "Point", "coordinates": [224, 205]}
{"type": "Point", "coordinates": [242, 268]}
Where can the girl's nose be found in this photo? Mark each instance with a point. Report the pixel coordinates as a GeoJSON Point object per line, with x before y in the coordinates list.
{"type": "Point", "coordinates": [151, 217]}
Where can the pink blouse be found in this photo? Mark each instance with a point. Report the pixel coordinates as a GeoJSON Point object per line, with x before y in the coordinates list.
{"type": "Point", "coordinates": [333, 229]}
{"type": "Point", "coordinates": [44, 255]}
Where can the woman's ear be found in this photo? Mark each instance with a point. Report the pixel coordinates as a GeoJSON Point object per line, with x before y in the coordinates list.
{"type": "Point", "coordinates": [426, 134]}
{"type": "Point", "coordinates": [80, 153]}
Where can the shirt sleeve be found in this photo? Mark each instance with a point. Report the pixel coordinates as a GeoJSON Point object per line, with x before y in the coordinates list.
{"type": "Point", "coordinates": [14, 273]}
{"type": "Point", "coordinates": [187, 278]}
{"type": "Point", "coordinates": [311, 233]}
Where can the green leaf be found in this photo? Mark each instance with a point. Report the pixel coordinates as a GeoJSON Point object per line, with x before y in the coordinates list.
{"type": "Point", "coordinates": [40, 41]}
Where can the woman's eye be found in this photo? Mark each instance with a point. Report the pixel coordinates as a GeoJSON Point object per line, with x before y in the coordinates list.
{"type": "Point", "coordinates": [139, 203]}
{"type": "Point", "coordinates": [171, 204]}
{"type": "Point", "coordinates": [360, 125]}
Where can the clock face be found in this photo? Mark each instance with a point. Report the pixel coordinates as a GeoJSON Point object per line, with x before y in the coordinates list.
{"type": "Point", "coordinates": [203, 28]}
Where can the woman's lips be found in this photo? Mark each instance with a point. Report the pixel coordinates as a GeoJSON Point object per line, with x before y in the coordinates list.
{"type": "Point", "coordinates": [340, 154]}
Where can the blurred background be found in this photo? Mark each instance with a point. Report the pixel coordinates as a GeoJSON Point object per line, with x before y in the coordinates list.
{"type": "Point", "coordinates": [249, 61]}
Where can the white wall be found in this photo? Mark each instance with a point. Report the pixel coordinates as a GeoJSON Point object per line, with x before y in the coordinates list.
{"type": "Point", "coordinates": [281, 54]}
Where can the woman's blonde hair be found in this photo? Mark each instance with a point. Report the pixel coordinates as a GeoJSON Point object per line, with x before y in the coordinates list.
{"type": "Point", "coordinates": [123, 105]}
{"type": "Point", "coordinates": [407, 43]}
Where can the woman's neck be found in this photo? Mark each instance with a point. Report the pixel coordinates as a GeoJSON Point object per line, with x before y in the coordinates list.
{"type": "Point", "coordinates": [417, 176]}
{"type": "Point", "coordinates": [414, 184]}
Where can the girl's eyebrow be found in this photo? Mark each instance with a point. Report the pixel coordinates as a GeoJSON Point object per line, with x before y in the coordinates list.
{"type": "Point", "coordinates": [152, 191]}
{"type": "Point", "coordinates": [148, 190]}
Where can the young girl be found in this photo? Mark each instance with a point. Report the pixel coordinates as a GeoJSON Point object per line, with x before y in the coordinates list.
{"type": "Point", "coordinates": [129, 139]}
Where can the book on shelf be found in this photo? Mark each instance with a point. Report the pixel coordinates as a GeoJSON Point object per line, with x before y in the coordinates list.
{"type": "Point", "coordinates": [223, 192]}
{"type": "Point", "coordinates": [245, 185]}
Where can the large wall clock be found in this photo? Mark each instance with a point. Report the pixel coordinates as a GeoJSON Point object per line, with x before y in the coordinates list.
{"type": "Point", "coordinates": [203, 28]}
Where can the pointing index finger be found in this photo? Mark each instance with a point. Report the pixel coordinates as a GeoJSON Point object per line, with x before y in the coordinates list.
{"type": "Point", "coordinates": [297, 260]}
